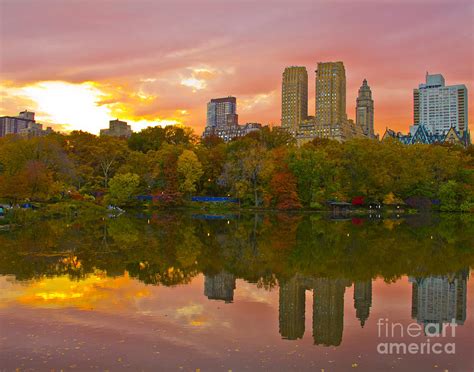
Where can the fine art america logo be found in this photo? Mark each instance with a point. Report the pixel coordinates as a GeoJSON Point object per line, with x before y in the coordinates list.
{"type": "Point", "coordinates": [439, 338]}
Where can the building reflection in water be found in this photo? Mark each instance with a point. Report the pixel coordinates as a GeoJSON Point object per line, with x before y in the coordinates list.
{"type": "Point", "coordinates": [292, 308]}
{"type": "Point", "coordinates": [362, 300]}
{"type": "Point", "coordinates": [440, 299]}
{"type": "Point", "coordinates": [435, 299]}
{"type": "Point", "coordinates": [328, 308]}
{"type": "Point", "coordinates": [220, 286]}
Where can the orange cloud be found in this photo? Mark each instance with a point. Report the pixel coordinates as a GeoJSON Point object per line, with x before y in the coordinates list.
{"type": "Point", "coordinates": [86, 106]}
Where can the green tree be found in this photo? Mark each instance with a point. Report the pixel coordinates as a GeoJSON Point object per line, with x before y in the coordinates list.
{"type": "Point", "coordinates": [122, 187]}
{"type": "Point", "coordinates": [189, 170]}
{"type": "Point", "coordinates": [316, 171]}
{"type": "Point", "coordinates": [109, 154]}
{"type": "Point", "coordinates": [449, 195]}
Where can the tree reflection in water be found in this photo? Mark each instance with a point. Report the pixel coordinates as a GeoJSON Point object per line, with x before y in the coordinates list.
{"type": "Point", "coordinates": [299, 251]}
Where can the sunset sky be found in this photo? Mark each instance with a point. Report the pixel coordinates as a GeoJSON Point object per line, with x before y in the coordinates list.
{"type": "Point", "coordinates": [80, 63]}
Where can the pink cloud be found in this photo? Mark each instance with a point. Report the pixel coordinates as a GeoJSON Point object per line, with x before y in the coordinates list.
{"type": "Point", "coordinates": [390, 43]}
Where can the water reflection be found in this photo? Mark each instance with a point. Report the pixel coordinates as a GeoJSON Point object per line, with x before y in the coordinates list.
{"type": "Point", "coordinates": [440, 299]}
{"type": "Point", "coordinates": [328, 309]}
{"type": "Point", "coordinates": [220, 287]}
{"type": "Point", "coordinates": [82, 263]}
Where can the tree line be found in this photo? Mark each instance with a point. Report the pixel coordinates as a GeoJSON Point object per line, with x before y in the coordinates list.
{"type": "Point", "coordinates": [172, 247]}
{"type": "Point", "coordinates": [265, 169]}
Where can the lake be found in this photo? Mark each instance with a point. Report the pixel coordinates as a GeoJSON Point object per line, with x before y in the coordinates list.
{"type": "Point", "coordinates": [231, 292]}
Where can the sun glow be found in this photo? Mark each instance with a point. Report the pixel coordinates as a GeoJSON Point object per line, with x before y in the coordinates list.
{"type": "Point", "coordinates": [93, 291]}
{"type": "Point", "coordinates": [73, 105]}
{"type": "Point", "coordinates": [86, 106]}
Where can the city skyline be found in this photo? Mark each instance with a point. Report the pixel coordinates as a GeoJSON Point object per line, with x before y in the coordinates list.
{"type": "Point", "coordinates": [88, 72]}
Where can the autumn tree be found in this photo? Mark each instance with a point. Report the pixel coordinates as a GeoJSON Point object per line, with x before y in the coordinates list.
{"type": "Point", "coordinates": [282, 188]}
{"type": "Point", "coordinates": [212, 158]}
{"type": "Point", "coordinates": [272, 138]}
{"type": "Point", "coordinates": [96, 158]}
{"type": "Point", "coordinates": [153, 138]}
{"type": "Point", "coordinates": [165, 174]}
{"type": "Point", "coordinates": [34, 169]}
{"type": "Point", "coordinates": [244, 169]}
{"type": "Point", "coordinates": [190, 171]}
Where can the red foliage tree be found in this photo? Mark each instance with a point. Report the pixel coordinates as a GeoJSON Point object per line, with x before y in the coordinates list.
{"type": "Point", "coordinates": [283, 185]}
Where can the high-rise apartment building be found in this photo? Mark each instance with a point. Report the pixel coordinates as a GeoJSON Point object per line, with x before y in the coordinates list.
{"type": "Point", "coordinates": [330, 93]}
{"type": "Point", "coordinates": [365, 110]}
{"type": "Point", "coordinates": [439, 107]}
{"type": "Point", "coordinates": [294, 97]}
{"type": "Point", "coordinates": [221, 112]}
{"type": "Point", "coordinates": [223, 121]}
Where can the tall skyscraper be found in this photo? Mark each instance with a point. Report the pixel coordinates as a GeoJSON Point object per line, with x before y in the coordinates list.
{"type": "Point", "coordinates": [294, 97]}
{"type": "Point", "coordinates": [439, 107]}
{"type": "Point", "coordinates": [330, 93]}
{"type": "Point", "coordinates": [365, 110]}
{"type": "Point", "coordinates": [221, 112]}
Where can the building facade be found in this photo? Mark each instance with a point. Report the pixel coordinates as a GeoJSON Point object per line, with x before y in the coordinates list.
{"type": "Point", "coordinates": [117, 128]}
{"type": "Point", "coordinates": [341, 132]}
{"type": "Point", "coordinates": [221, 112]}
{"type": "Point", "coordinates": [223, 120]}
{"type": "Point", "coordinates": [330, 120]}
{"type": "Point", "coordinates": [294, 97]}
{"type": "Point", "coordinates": [234, 131]}
{"type": "Point", "coordinates": [439, 115]}
{"type": "Point", "coordinates": [439, 107]}
{"type": "Point", "coordinates": [419, 134]}
{"type": "Point", "coordinates": [24, 124]}
{"type": "Point", "coordinates": [365, 110]}
{"type": "Point", "coordinates": [330, 99]}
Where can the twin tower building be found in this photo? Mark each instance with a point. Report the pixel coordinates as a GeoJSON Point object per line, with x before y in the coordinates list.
{"type": "Point", "coordinates": [330, 119]}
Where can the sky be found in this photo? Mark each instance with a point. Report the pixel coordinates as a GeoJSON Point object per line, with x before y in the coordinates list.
{"type": "Point", "coordinates": [80, 63]}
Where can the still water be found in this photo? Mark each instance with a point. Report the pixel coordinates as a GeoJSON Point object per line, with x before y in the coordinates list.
{"type": "Point", "coordinates": [280, 292]}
